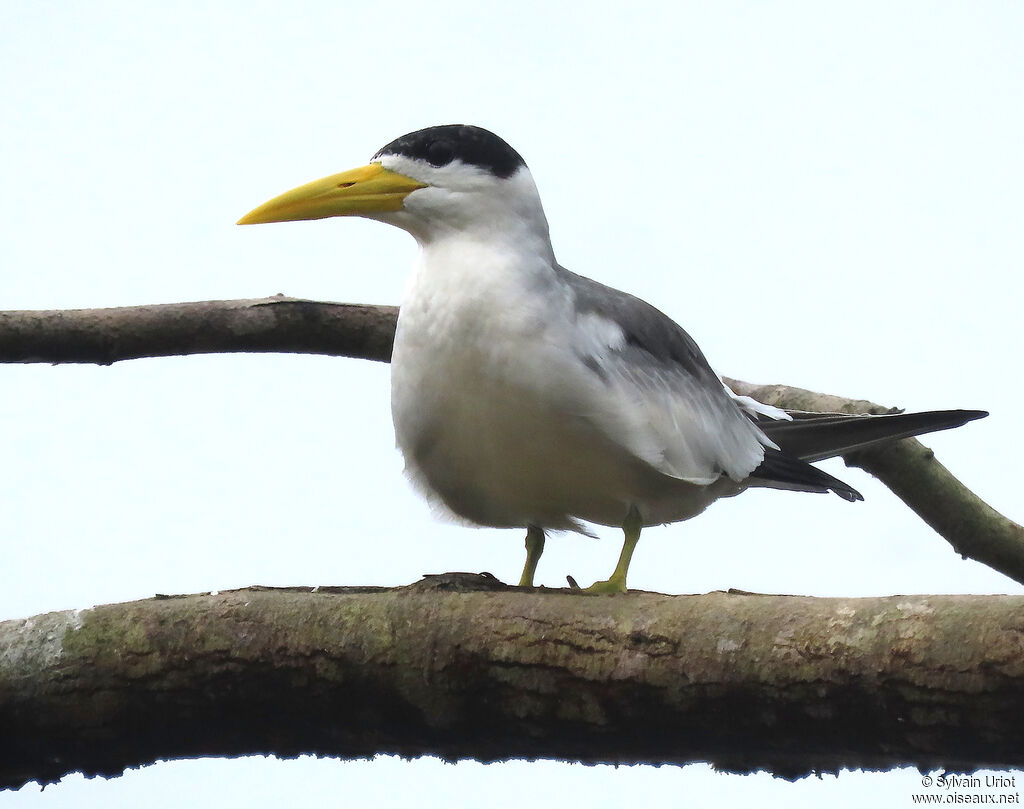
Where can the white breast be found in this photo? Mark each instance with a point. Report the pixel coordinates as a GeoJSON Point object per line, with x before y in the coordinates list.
{"type": "Point", "coordinates": [493, 411]}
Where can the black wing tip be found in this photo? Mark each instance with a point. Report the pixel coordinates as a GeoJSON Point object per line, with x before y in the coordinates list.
{"type": "Point", "coordinates": [951, 419]}
{"type": "Point", "coordinates": [849, 494]}
{"type": "Point", "coordinates": [962, 417]}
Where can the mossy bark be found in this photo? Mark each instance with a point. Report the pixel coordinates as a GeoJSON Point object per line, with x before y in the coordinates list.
{"type": "Point", "coordinates": [460, 666]}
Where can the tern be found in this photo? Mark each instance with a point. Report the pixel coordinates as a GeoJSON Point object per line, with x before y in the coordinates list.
{"type": "Point", "coordinates": [526, 396]}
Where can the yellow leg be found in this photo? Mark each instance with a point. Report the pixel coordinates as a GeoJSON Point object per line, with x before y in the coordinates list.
{"type": "Point", "coordinates": [534, 548]}
{"type": "Point", "coordinates": [617, 583]}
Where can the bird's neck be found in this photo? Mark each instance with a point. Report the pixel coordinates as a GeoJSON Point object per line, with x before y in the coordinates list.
{"type": "Point", "coordinates": [522, 233]}
{"type": "Point", "coordinates": [480, 281]}
{"type": "Point", "coordinates": [467, 261]}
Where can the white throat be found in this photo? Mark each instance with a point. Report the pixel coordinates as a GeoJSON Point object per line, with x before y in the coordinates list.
{"type": "Point", "coordinates": [467, 205]}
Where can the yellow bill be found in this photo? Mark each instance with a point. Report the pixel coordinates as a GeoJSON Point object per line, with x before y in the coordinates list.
{"type": "Point", "coordinates": [366, 190]}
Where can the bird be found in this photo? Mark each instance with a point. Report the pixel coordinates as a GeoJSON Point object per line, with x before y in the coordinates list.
{"type": "Point", "coordinates": [526, 396]}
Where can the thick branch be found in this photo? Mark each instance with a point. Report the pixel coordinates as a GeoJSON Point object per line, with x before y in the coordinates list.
{"type": "Point", "coordinates": [974, 529]}
{"type": "Point", "coordinates": [460, 666]}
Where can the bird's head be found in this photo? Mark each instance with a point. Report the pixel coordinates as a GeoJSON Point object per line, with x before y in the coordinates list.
{"type": "Point", "coordinates": [442, 180]}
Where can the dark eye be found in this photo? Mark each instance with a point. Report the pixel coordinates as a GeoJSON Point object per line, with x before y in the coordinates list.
{"type": "Point", "coordinates": [440, 153]}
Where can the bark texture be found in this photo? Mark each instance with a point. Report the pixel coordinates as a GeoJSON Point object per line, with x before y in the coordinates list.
{"type": "Point", "coordinates": [461, 666]}
{"type": "Point", "coordinates": [275, 324]}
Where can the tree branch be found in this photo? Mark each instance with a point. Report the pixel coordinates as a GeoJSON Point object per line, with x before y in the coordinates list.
{"type": "Point", "coordinates": [275, 324]}
{"type": "Point", "coordinates": [460, 666]}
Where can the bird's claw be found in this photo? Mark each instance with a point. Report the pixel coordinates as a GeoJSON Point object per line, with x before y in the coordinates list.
{"type": "Point", "coordinates": [609, 586]}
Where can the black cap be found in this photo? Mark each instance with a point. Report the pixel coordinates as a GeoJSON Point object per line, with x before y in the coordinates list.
{"type": "Point", "coordinates": [440, 145]}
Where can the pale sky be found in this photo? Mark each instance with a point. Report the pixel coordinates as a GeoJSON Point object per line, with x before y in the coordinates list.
{"type": "Point", "coordinates": [824, 195]}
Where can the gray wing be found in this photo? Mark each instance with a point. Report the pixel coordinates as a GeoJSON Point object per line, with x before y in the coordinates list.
{"type": "Point", "coordinates": [660, 397]}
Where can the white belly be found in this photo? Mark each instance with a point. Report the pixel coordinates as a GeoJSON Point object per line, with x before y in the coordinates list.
{"type": "Point", "coordinates": [491, 414]}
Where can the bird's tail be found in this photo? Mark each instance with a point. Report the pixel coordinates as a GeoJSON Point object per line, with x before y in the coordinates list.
{"type": "Point", "coordinates": [781, 471]}
{"type": "Point", "coordinates": [815, 436]}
